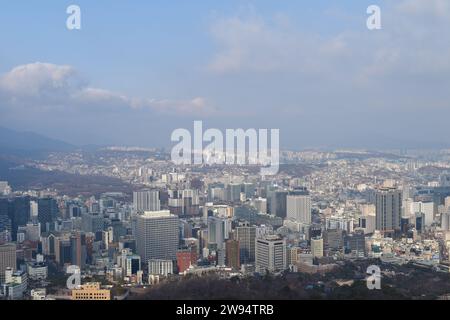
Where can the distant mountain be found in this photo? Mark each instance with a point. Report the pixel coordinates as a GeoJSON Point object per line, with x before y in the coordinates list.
{"type": "Point", "coordinates": [29, 143]}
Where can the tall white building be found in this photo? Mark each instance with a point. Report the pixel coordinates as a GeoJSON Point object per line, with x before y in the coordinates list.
{"type": "Point", "coordinates": [270, 254]}
{"type": "Point", "coordinates": [157, 235]}
{"type": "Point", "coordinates": [426, 208]}
{"type": "Point", "coordinates": [146, 200]}
{"type": "Point", "coordinates": [299, 208]}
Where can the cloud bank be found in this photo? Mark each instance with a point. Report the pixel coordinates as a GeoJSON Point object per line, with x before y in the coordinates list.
{"type": "Point", "coordinates": [46, 86]}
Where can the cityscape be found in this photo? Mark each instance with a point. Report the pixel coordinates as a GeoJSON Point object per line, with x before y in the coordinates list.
{"type": "Point", "coordinates": [326, 215]}
{"type": "Point", "coordinates": [314, 163]}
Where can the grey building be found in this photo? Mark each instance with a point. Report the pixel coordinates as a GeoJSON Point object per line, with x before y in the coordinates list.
{"type": "Point", "coordinates": [157, 235]}
{"type": "Point", "coordinates": [146, 200]}
{"type": "Point", "coordinates": [388, 203]}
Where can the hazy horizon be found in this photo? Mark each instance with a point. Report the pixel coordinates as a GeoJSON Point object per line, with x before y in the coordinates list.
{"type": "Point", "coordinates": [137, 71]}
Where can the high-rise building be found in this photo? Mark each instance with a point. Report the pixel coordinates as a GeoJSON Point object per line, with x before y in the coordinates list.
{"type": "Point", "coordinates": [78, 249]}
{"type": "Point", "coordinates": [5, 221]}
{"type": "Point", "coordinates": [47, 212]}
{"type": "Point", "coordinates": [216, 232]}
{"type": "Point", "coordinates": [334, 239]}
{"type": "Point", "coordinates": [63, 252]}
{"type": "Point", "coordinates": [129, 262]}
{"type": "Point", "coordinates": [355, 243]}
{"type": "Point", "coordinates": [233, 192]}
{"type": "Point", "coordinates": [246, 235]}
{"type": "Point", "coordinates": [278, 203]}
{"type": "Point", "coordinates": [7, 259]}
{"type": "Point", "coordinates": [232, 256]}
{"type": "Point", "coordinates": [388, 204]}
{"type": "Point", "coordinates": [157, 235]}
{"type": "Point", "coordinates": [190, 202]}
{"type": "Point", "coordinates": [146, 200]}
{"type": "Point", "coordinates": [427, 208]}
{"type": "Point", "coordinates": [92, 222]}
{"type": "Point", "coordinates": [299, 208]}
{"type": "Point", "coordinates": [260, 205]}
{"type": "Point", "coordinates": [270, 254]}
{"type": "Point", "coordinates": [317, 247]}
{"type": "Point", "coordinates": [19, 214]}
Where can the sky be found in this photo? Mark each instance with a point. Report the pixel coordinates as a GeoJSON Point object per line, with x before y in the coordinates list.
{"type": "Point", "coordinates": [137, 70]}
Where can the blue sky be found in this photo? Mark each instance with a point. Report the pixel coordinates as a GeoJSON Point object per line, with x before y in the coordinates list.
{"type": "Point", "coordinates": [309, 68]}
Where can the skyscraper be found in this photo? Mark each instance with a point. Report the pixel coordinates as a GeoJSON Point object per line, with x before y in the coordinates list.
{"type": "Point", "coordinates": [78, 249]}
{"type": "Point", "coordinates": [299, 208]}
{"type": "Point", "coordinates": [5, 221]}
{"type": "Point", "coordinates": [7, 259]}
{"type": "Point", "coordinates": [47, 212]}
{"type": "Point", "coordinates": [19, 214]}
{"type": "Point", "coordinates": [233, 192]}
{"type": "Point", "coordinates": [388, 203]}
{"type": "Point", "coordinates": [190, 202]}
{"type": "Point", "coordinates": [216, 232]}
{"type": "Point", "coordinates": [232, 255]}
{"type": "Point", "coordinates": [278, 203]}
{"type": "Point", "coordinates": [157, 235]}
{"type": "Point", "coordinates": [146, 200]}
{"type": "Point", "coordinates": [246, 235]}
{"type": "Point", "coordinates": [270, 254]}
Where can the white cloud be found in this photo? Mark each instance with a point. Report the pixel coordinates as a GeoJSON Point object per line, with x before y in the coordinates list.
{"type": "Point", "coordinates": [411, 42]}
{"type": "Point", "coordinates": [252, 43]}
{"type": "Point", "coordinates": [434, 8]}
{"type": "Point", "coordinates": [49, 86]}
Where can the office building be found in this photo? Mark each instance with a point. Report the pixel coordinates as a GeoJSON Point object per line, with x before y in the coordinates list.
{"type": "Point", "coordinates": [278, 203]}
{"type": "Point", "coordinates": [157, 235]}
{"type": "Point", "coordinates": [388, 204]}
{"type": "Point", "coordinates": [146, 200]}
{"type": "Point", "coordinates": [47, 212]}
{"type": "Point", "coordinates": [270, 254]}
{"type": "Point", "coordinates": [246, 236]}
{"type": "Point", "coordinates": [19, 214]}
{"type": "Point", "coordinates": [216, 233]}
{"type": "Point", "coordinates": [427, 208]}
{"type": "Point", "coordinates": [232, 255]}
{"type": "Point", "coordinates": [7, 259]}
{"type": "Point", "coordinates": [299, 208]}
